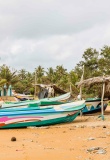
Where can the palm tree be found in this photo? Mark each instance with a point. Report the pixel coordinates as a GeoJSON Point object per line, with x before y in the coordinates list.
{"type": "Point", "coordinates": [50, 75]}
{"type": "Point", "coordinates": [60, 70]}
{"type": "Point", "coordinates": [28, 81]}
{"type": "Point", "coordinates": [73, 78]}
{"type": "Point", "coordinates": [22, 74]}
{"type": "Point", "coordinates": [25, 83]}
{"type": "Point", "coordinates": [7, 76]}
{"type": "Point", "coordinates": [2, 82]}
{"type": "Point", "coordinates": [39, 73]}
{"type": "Point", "coordinates": [63, 82]}
{"type": "Point", "coordinates": [61, 75]}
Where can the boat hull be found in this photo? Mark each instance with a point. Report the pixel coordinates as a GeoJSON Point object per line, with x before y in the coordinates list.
{"type": "Point", "coordinates": [12, 118]}
{"type": "Point", "coordinates": [93, 106]}
{"type": "Point", "coordinates": [26, 121]}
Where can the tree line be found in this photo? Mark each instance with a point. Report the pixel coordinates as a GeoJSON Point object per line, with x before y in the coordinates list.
{"type": "Point", "coordinates": [96, 63]}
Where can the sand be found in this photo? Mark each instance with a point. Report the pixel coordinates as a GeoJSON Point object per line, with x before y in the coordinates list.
{"type": "Point", "coordinates": [86, 138]}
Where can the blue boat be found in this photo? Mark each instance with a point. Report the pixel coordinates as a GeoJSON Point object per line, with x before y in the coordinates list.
{"type": "Point", "coordinates": [93, 105]}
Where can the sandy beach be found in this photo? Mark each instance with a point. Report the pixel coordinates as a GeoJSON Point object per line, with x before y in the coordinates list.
{"type": "Point", "coordinates": [86, 138]}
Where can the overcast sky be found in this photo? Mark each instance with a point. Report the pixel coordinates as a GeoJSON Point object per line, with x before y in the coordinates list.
{"type": "Point", "coordinates": [51, 32]}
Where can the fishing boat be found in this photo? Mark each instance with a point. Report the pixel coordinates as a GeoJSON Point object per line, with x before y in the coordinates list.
{"type": "Point", "coordinates": [39, 116]}
{"type": "Point", "coordinates": [93, 105]}
{"type": "Point", "coordinates": [42, 102]}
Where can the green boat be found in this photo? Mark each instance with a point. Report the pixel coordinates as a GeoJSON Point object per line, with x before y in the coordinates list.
{"type": "Point", "coordinates": [42, 102]}
{"type": "Point", "coordinates": [33, 116]}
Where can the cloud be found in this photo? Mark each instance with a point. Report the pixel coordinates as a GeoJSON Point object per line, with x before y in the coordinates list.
{"type": "Point", "coordinates": [32, 19]}
{"type": "Point", "coordinates": [51, 32]}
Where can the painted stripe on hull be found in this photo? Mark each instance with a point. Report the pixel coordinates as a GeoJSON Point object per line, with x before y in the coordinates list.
{"type": "Point", "coordinates": [93, 107]}
{"type": "Point", "coordinates": [67, 118]}
{"type": "Point", "coordinates": [59, 108]}
{"type": "Point", "coordinates": [94, 110]}
{"type": "Point", "coordinates": [13, 119]}
{"type": "Point", "coordinates": [39, 117]}
{"type": "Point", "coordinates": [92, 103]}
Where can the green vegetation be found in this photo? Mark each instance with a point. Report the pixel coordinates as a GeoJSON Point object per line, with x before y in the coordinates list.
{"type": "Point", "coordinates": [95, 64]}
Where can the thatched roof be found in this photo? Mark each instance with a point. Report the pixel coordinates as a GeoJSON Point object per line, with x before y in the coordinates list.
{"type": "Point", "coordinates": [56, 89]}
{"type": "Point", "coordinates": [95, 80]}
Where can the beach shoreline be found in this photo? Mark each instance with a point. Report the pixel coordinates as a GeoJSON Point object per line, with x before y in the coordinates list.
{"type": "Point", "coordinates": [77, 140]}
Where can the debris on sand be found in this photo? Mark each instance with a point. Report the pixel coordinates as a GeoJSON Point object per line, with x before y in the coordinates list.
{"type": "Point", "coordinates": [104, 126]}
{"type": "Point", "coordinates": [98, 150]}
{"type": "Point", "coordinates": [13, 139]}
{"type": "Point", "coordinates": [91, 138]}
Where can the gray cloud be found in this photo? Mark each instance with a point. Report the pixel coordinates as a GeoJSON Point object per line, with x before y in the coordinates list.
{"type": "Point", "coordinates": [33, 18]}
{"type": "Point", "coordinates": [51, 32]}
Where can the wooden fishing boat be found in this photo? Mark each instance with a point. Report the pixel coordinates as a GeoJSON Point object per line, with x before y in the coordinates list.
{"type": "Point", "coordinates": [93, 105]}
{"type": "Point", "coordinates": [42, 102]}
{"type": "Point", "coordinates": [32, 116]}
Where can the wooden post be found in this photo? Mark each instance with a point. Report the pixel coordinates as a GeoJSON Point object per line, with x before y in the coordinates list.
{"type": "Point", "coordinates": [81, 92]}
{"type": "Point", "coordinates": [35, 85]}
{"type": "Point", "coordinates": [82, 77]}
{"type": "Point", "coordinates": [102, 101]}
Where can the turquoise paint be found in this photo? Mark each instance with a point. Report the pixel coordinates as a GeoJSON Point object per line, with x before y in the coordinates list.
{"type": "Point", "coordinates": [27, 116]}
{"type": "Point", "coordinates": [9, 91]}
{"type": "Point", "coordinates": [43, 123]}
{"type": "Point", "coordinates": [5, 92]}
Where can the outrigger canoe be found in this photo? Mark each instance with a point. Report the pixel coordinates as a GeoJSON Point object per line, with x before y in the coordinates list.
{"type": "Point", "coordinates": [42, 102]}
{"type": "Point", "coordinates": [36, 116]}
